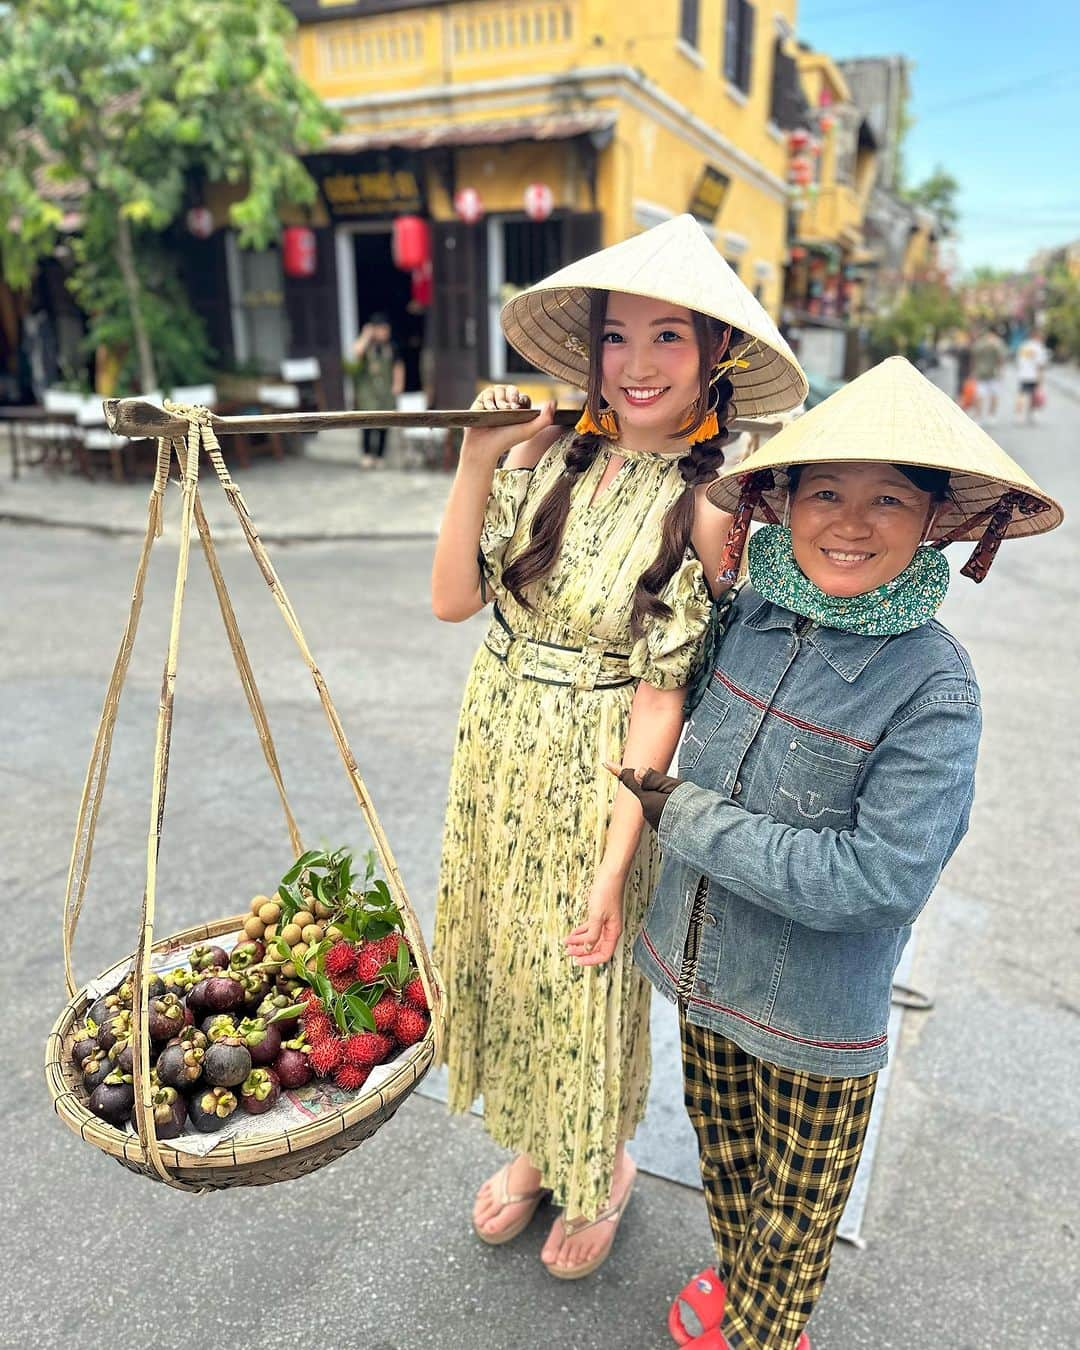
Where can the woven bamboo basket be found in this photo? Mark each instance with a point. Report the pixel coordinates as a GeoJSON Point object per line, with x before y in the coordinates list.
{"type": "Point", "coordinates": [288, 1152]}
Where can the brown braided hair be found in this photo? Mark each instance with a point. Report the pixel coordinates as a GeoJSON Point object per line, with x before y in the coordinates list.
{"type": "Point", "coordinates": [698, 465]}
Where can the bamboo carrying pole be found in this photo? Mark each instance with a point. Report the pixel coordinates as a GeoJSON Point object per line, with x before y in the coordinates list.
{"type": "Point", "coordinates": [137, 419]}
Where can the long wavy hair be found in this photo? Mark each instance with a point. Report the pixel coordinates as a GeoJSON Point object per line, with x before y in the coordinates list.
{"type": "Point", "coordinates": [699, 465]}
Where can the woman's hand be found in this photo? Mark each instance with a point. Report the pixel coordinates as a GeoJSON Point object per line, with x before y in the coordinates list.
{"type": "Point", "coordinates": [594, 941]}
{"type": "Point", "coordinates": [491, 443]}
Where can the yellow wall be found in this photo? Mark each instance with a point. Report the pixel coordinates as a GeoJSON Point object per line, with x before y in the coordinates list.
{"type": "Point", "coordinates": [835, 215]}
{"type": "Point", "coordinates": [489, 61]}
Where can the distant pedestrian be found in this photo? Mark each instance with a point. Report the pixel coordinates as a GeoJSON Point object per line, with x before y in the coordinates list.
{"type": "Point", "coordinates": [988, 355]}
{"type": "Point", "coordinates": [1032, 359]}
{"type": "Point", "coordinates": [378, 378]}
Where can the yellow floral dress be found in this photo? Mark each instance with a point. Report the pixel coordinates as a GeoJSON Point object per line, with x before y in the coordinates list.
{"type": "Point", "coordinates": [560, 1053]}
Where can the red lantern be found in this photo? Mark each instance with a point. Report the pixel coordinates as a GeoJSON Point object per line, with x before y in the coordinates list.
{"type": "Point", "coordinates": [801, 171]}
{"type": "Point", "coordinates": [298, 251]}
{"type": "Point", "coordinates": [539, 201]}
{"type": "Point", "coordinates": [798, 138]}
{"type": "Point", "coordinates": [826, 123]}
{"type": "Point", "coordinates": [411, 242]}
{"type": "Point", "coordinates": [468, 205]}
{"type": "Point", "coordinates": [421, 280]}
{"type": "Point", "coordinates": [798, 253]}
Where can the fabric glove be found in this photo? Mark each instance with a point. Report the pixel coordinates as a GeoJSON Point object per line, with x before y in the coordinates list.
{"type": "Point", "coordinates": [652, 790]}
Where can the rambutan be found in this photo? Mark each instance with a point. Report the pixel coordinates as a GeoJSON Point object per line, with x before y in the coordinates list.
{"type": "Point", "coordinates": [367, 1048]}
{"type": "Point", "coordinates": [351, 1076]}
{"type": "Point", "coordinates": [388, 946]}
{"type": "Point", "coordinates": [340, 960]}
{"type": "Point", "coordinates": [414, 993]}
{"type": "Point", "coordinates": [326, 1056]}
{"type": "Point", "coordinates": [369, 962]}
{"type": "Point", "coordinates": [384, 1012]}
{"type": "Point", "coordinates": [410, 1025]}
{"type": "Point", "coordinates": [317, 1027]}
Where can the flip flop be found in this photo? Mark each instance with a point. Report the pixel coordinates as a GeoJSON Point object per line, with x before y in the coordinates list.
{"type": "Point", "coordinates": [574, 1226]}
{"type": "Point", "coordinates": [501, 1181]}
{"type": "Point", "coordinates": [713, 1339]}
{"type": "Point", "coordinates": [705, 1295]}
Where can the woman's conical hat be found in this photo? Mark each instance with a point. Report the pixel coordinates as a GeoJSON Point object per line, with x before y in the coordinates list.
{"type": "Point", "coordinates": [895, 415]}
{"type": "Point", "coordinates": [549, 323]}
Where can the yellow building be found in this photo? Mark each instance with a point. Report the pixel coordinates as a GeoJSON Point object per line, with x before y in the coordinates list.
{"type": "Point", "coordinates": [603, 116]}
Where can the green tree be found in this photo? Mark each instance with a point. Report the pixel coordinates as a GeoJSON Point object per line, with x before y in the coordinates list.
{"type": "Point", "coordinates": [1063, 311]}
{"type": "Point", "coordinates": [923, 315]}
{"type": "Point", "coordinates": [117, 104]}
{"type": "Point", "coordinates": [938, 194]}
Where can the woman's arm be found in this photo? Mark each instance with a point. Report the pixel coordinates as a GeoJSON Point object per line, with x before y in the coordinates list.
{"type": "Point", "coordinates": [398, 378]}
{"type": "Point", "coordinates": [708, 536]}
{"type": "Point", "coordinates": [455, 576]}
{"type": "Point", "coordinates": [656, 721]}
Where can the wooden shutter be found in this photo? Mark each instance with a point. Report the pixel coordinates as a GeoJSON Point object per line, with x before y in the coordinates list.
{"type": "Point", "coordinates": [746, 44]}
{"type": "Point", "coordinates": [455, 333]}
{"type": "Point", "coordinates": [311, 305]}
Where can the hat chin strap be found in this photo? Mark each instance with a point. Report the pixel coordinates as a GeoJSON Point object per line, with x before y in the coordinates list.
{"type": "Point", "coordinates": [753, 485]}
{"type": "Point", "coordinates": [997, 519]}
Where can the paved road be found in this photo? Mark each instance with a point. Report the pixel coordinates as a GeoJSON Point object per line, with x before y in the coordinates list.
{"type": "Point", "coordinates": [971, 1229]}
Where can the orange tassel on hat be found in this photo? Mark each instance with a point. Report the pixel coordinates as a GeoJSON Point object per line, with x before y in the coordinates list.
{"type": "Point", "coordinates": [608, 426]}
{"type": "Point", "coordinates": [709, 428]}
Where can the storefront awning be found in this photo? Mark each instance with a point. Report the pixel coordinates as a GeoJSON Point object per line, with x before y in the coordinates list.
{"type": "Point", "coordinates": [500, 132]}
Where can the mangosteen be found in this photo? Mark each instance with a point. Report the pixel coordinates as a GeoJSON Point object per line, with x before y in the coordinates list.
{"type": "Point", "coordinates": [100, 1012]}
{"type": "Point", "coordinates": [180, 1065]}
{"type": "Point", "coordinates": [287, 983]}
{"type": "Point", "coordinates": [256, 986]}
{"type": "Point", "coordinates": [227, 1062]}
{"type": "Point", "coordinates": [223, 994]}
{"type": "Point", "coordinates": [292, 1068]}
{"type": "Point", "coordinates": [170, 1112]}
{"type": "Point", "coordinates": [210, 1109]}
{"type": "Point", "coordinates": [122, 1056]}
{"type": "Point", "coordinates": [165, 1017]}
{"type": "Point", "coordinates": [259, 1091]}
{"type": "Point", "coordinates": [114, 1029]}
{"type": "Point", "coordinates": [83, 1048]}
{"type": "Point", "coordinates": [206, 955]}
{"type": "Point", "coordinates": [96, 1069]}
{"type": "Point", "coordinates": [155, 986]}
{"type": "Point", "coordinates": [217, 1025]}
{"type": "Point", "coordinates": [271, 1008]}
{"type": "Point", "coordinates": [246, 954]}
{"type": "Point", "coordinates": [264, 1041]}
{"type": "Point", "coordinates": [113, 1099]}
{"type": "Point", "coordinates": [179, 981]}
{"type": "Point", "coordinates": [192, 1036]}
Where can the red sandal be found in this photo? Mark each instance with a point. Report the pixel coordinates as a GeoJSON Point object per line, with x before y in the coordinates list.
{"type": "Point", "coordinates": [705, 1296]}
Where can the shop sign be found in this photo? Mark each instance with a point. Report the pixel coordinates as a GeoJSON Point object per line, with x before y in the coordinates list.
{"type": "Point", "coordinates": [356, 187]}
{"type": "Point", "coordinates": [468, 205]}
{"type": "Point", "coordinates": [708, 196]}
{"type": "Point", "coordinates": [539, 201]}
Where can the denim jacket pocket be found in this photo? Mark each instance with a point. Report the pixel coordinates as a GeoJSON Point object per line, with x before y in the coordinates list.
{"type": "Point", "coordinates": [708, 717]}
{"type": "Point", "coordinates": [814, 790]}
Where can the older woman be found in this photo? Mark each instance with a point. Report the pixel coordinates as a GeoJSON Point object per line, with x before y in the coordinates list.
{"type": "Point", "coordinates": [828, 773]}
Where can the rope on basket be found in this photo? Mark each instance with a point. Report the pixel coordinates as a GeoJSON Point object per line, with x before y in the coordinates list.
{"type": "Point", "coordinates": [200, 437]}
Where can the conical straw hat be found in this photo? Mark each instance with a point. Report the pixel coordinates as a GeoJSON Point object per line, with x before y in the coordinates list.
{"type": "Point", "coordinates": [549, 323]}
{"type": "Point", "coordinates": [895, 415]}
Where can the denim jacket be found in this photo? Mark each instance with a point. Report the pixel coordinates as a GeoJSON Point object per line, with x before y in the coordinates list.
{"type": "Point", "coordinates": [829, 779]}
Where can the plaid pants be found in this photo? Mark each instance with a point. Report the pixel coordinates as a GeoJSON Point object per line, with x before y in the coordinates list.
{"type": "Point", "coordinates": [778, 1151]}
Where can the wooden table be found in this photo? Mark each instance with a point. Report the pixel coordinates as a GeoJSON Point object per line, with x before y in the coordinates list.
{"type": "Point", "coordinates": [45, 450]}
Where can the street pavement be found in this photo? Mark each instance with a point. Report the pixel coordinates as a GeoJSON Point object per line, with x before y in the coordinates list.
{"type": "Point", "coordinates": [971, 1230]}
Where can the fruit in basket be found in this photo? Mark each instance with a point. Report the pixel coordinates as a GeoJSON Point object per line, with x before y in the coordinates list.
{"type": "Point", "coordinates": [410, 1025]}
{"type": "Point", "coordinates": [291, 934]}
{"type": "Point", "coordinates": [367, 1048]}
{"type": "Point", "coordinates": [262, 1040]}
{"type": "Point", "coordinates": [274, 1005]}
{"type": "Point", "coordinates": [351, 1076]}
{"type": "Point", "coordinates": [256, 986]}
{"type": "Point", "coordinates": [254, 927]}
{"type": "Point", "coordinates": [113, 1099]}
{"type": "Point", "coordinates": [384, 1012]}
{"type": "Point", "coordinates": [83, 1048]}
{"type": "Point", "coordinates": [369, 962]}
{"type": "Point", "coordinates": [206, 955]}
{"type": "Point", "coordinates": [414, 995]}
{"type": "Point", "coordinates": [169, 1110]}
{"type": "Point", "coordinates": [164, 1017]}
{"type": "Point", "coordinates": [259, 1091]}
{"type": "Point", "coordinates": [123, 1056]}
{"type": "Point", "coordinates": [192, 1036]}
{"type": "Point", "coordinates": [96, 1069]}
{"type": "Point", "coordinates": [292, 1067]}
{"type": "Point", "coordinates": [179, 1065]}
{"type": "Point", "coordinates": [269, 912]}
{"type": "Point", "coordinates": [100, 1012]}
{"type": "Point", "coordinates": [179, 981]}
{"type": "Point", "coordinates": [227, 1062]}
{"type": "Point", "coordinates": [246, 954]}
{"type": "Point", "coordinates": [217, 1026]}
{"type": "Point", "coordinates": [210, 1109]}
{"type": "Point", "coordinates": [326, 1057]}
{"type": "Point", "coordinates": [114, 1028]}
{"type": "Point", "coordinates": [223, 993]}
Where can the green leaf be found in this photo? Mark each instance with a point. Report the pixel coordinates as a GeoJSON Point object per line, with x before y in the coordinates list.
{"type": "Point", "coordinates": [283, 1014]}
{"type": "Point", "coordinates": [403, 961]}
{"type": "Point", "coordinates": [360, 1015]}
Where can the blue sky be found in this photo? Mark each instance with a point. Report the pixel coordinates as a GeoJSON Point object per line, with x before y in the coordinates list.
{"type": "Point", "coordinates": [995, 93]}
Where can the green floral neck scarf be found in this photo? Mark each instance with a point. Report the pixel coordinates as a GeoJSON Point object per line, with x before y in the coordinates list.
{"type": "Point", "coordinates": [911, 599]}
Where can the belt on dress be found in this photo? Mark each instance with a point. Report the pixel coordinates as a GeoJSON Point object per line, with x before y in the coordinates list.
{"type": "Point", "coordinates": [529, 658]}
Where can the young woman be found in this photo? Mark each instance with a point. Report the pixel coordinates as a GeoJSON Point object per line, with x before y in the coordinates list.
{"type": "Point", "coordinates": [594, 547]}
{"type": "Point", "coordinates": [827, 776]}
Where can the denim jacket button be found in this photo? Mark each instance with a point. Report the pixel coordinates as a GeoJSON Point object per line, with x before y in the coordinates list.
{"type": "Point", "coordinates": [710, 919]}
{"type": "Point", "coordinates": [736, 789]}
{"type": "Point", "coordinates": [794, 745]}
